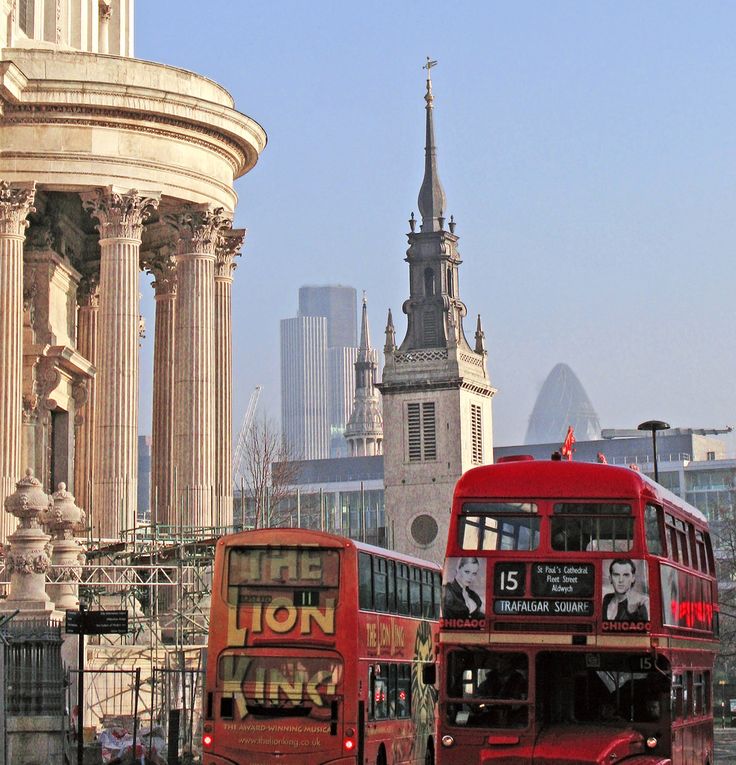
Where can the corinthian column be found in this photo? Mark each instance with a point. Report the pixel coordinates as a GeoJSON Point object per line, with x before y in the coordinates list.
{"type": "Point", "coordinates": [194, 440]}
{"type": "Point", "coordinates": [16, 202]}
{"type": "Point", "coordinates": [88, 297]}
{"type": "Point", "coordinates": [114, 488]}
{"type": "Point", "coordinates": [162, 267]}
{"type": "Point", "coordinates": [228, 246]}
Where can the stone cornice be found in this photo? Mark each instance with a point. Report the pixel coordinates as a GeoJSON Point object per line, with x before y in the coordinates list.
{"type": "Point", "coordinates": [88, 84]}
{"type": "Point", "coordinates": [150, 124]}
{"type": "Point", "coordinates": [422, 386]}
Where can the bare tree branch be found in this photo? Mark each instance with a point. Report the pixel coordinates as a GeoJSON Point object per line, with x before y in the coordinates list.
{"type": "Point", "coordinates": [270, 471]}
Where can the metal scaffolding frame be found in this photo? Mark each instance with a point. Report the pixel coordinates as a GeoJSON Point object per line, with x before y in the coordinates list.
{"type": "Point", "coordinates": [162, 576]}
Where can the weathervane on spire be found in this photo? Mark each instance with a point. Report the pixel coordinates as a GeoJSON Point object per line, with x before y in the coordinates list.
{"type": "Point", "coordinates": [428, 66]}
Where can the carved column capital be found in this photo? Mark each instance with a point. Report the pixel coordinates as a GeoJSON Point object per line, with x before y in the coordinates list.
{"type": "Point", "coordinates": [199, 228]}
{"type": "Point", "coordinates": [121, 214]}
{"type": "Point", "coordinates": [104, 10]}
{"type": "Point", "coordinates": [162, 267]}
{"type": "Point", "coordinates": [16, 203]}
{"type": "Point", "coordinates": [228, 246]}
{"type": "Point", "coordinates": [88, 291]}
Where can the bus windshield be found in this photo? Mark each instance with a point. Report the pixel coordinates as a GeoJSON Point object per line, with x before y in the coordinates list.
{"type": "Point", "coordinates": [600, 687]}
{"type": "Point", "coordinates": [275, 686]}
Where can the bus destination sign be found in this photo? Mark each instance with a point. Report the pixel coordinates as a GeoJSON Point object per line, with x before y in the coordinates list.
{"type": "Point", "coordinates": [539, 607]}
{"type": "Point", "coordinates": [563, 580]}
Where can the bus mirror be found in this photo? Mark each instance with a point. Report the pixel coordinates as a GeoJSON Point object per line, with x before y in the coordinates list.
{"type": "Point", "coordinates": [429, 674]}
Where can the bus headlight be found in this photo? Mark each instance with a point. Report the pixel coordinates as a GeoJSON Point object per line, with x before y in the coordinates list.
{"type": "Point", "coordinates": [447, 740]}
{"type": "Point", "coordinates": [652, 742]}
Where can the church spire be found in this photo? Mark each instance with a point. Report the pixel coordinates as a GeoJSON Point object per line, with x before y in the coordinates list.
{"type": "Point", "coordinates": [365, 334]}
{"type": "Point", "coordinates": [431, 194]}
{"type": "Point", "coordinates": [364, 431]}
{"type": "Point", "coordinates": [390, 345]}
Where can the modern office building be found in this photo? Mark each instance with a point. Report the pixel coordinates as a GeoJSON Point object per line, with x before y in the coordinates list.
{"type": "Point", "coordinates": [562, 401]}
{"type": "Point", "coordinates": [304, 376]}
{"type": "Point", "coordinates": [339, 305]}
{"type": "Point", "coordinates": [307, 411]}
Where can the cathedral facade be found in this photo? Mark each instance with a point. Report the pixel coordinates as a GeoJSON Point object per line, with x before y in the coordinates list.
{"type": "Point", "coordinates": [110, 166]}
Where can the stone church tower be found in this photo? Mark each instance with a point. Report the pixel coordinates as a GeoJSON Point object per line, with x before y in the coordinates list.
{"type": "Point", "coordinates": [436, 389]}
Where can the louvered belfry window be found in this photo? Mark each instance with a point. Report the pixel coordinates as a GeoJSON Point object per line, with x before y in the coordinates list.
{"type": "Point", "coordinates": [422, 431]}
{"type": "Point", "coordinates": [476, 433]}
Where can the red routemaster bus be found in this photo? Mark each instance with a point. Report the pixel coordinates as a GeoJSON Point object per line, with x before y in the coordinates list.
{"type": "Point", "coordinates": [579, 620]}
{"type": "Point", "coordinates": [319, 649]}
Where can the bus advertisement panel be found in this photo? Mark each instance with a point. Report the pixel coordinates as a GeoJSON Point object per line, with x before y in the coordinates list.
{"type": "Point", "coordinates": [578, 620]}
{"type": "Point", "coordinates": [311, 656]}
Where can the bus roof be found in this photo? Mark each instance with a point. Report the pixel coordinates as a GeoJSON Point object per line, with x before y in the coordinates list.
{"type": "Point", "coordinates": [558, 479]}
{"type": "Point", "coordinates": [280, 536]}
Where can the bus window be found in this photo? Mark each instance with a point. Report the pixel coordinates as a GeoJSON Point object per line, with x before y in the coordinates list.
{"type": "Point", "coordinates": [436, 594]}
{"type": "Point", "coordinates": [379, 583]}
{"type": "Point", "coordinates": [380, 699]}
{"type": "Point", "coordinates": [428, 594]}
{"type": "Point", "coordinates": [392, 689]}
{"type": "Point", "coordinates": [487, 689]}
{"type": "Point", "coordinates": [402, 589]}
{"type": "Point", "coordinates": [404, 691]}
{"type": "Point", "coordinates": [499, 526]}
{"type": "Point", "coordinates": [701, 557]}
{"type": "Point", "coordinates": [415, 592]}
{"type": "Point", "coordinates": [391, 586]}
{"type": "Point", "coordinates": [601, 526]}
{"type": "Point", "coordinates": [677, 539]}
{"type": "Point", "coordinates": [698, 693]}
{"type": "Point", "coordinates": [365, 582]}
{"type": "Point", "coordinates": [678, 697]}
{"type": "Point", "coordinates": [651, 525]}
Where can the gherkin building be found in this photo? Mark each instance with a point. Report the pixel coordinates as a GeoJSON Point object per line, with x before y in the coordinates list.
{"type": "Point", "coordinates": [562, 402]}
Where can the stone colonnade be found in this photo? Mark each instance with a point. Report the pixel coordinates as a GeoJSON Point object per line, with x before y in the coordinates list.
{"type": "Point", "coordinates": [192, 389]}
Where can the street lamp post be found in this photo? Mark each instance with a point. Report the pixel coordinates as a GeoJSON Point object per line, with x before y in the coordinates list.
{"type": "Point", "coordinates": [654, 426]}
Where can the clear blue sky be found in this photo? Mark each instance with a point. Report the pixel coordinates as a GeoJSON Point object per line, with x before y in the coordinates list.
{"type": "Point", "coordinates": [587, 150]}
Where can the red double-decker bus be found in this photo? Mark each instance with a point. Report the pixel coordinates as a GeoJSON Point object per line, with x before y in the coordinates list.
{"type": "Point", "coordinates": [579, 620]}
{"type": "Point", "coordinates": [321, 650]}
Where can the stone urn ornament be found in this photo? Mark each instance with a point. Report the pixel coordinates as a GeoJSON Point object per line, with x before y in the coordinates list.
{"type": "Point", "coordinates": [28, 554]}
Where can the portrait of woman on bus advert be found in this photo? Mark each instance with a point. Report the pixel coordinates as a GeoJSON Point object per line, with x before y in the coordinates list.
{"type": "Point", "coordinates": [625, 605]}
{"type": "Point", "coordinates": [464, 592]}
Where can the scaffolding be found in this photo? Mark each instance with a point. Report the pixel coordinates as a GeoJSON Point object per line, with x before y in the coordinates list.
{"type": "Point", "coordinates": [162, 577]}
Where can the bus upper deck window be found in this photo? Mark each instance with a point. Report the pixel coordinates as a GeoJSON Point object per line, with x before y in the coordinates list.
{"type": "Point", "coordinates": [651, 525]}
{"type": "Point", "coordinates": [592, 526]}
{"type": "Point", "coordinates": [499, 526]}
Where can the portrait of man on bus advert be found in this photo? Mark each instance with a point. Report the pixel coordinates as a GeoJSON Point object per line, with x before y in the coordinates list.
{"type": "Point", "coordinates": [464, 593]}
{"type": "Point", "coordinates": [625, 605]}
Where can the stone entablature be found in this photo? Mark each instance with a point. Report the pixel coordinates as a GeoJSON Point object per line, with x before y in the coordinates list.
{"type": "Point", "coordinates": [70, 119]}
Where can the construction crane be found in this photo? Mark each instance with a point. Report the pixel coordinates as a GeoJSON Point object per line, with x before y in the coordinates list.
{"type": "Point", "coordinates": [245, 427]}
